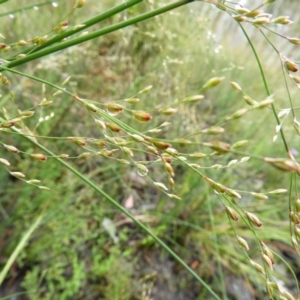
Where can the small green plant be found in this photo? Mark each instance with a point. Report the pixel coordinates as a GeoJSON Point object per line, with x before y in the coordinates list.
{"type": "Point", "coordinates": [129, 132]}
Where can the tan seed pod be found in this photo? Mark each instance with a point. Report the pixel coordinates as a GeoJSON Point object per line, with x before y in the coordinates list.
{"type": "Point", "coordinates": [142, 116]}
{"type": "Point", "coordinates": [258, 267]}
{"type": "Point", "coordinates": [243, 243]}
{"type": "Point", "coordinates": [291, 66]}
{"type": "Point", "coordinates": [268, 261]}
{"type": "Point", "coordinates": [254, 219]}
{"type": "Point", "coordinates": [232, 213]}
{"type": "Point", "coordinates": [39, 156]}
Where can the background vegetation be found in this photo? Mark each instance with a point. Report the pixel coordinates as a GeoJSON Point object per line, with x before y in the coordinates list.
{"type": "Point", "coordinates": [83, 247]}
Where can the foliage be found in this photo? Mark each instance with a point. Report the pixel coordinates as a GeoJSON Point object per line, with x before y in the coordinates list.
{"type": "Point", "coordinates": [135, 116]}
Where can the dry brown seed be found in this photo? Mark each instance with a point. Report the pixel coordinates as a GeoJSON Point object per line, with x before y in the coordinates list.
{"type": "Point", "coordinates": [243, 243]}
{"type": "Point", "coordinates": [169, 169]}
{"type": "Point", "coordinates": [240, 18]}
{"type": "Point", "coordinates": [295, 78]}
{"type": "Point", "coordinates": [113, 127]}
{"type": "Point", "coordinates": [7, 124]}
{"type": "Point", "coordinates": [11, 148]}
{"type": "Point", "coordinates": [39, 156]}
{"type": "Point", "coordinates": [232, 213]}
{"type": "Point", "coordinates": [268, 252]}
{"type": "Point", "coordinates": [216, 186]}
{"type": "Point", "coordinates": [161, 145]}
{"type": "Point", "coordinates": [78, 141]}
{"type": "Point", "coordinates": [114, 109]}
{"type": "Point", "coordinates": [254, 219]}
{"type": "Point", "coordinates": [99, 143]}
{"type": "Point", "coordinates": [294, 218]}
{"type": "Point", "coordinates": [291, 66]}
{"type": "Point", "coordinates": [142, 116]}
{"type": "Point", "coordinates": [91, 107]}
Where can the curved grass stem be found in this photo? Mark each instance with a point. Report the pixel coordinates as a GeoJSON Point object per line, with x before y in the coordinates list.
{"type": "Point", "coordinates": [266, 86]}
{"type": "Point", "coordinates": [127, 213]}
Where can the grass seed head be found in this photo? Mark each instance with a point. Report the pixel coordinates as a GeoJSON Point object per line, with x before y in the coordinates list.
{"type": "Point", "coordinates": [169, 169]}
{"type": "Point", "coordinates": [168, 111]}
{"type": "Point", "coordinates": [283, 164]}
{"type": "Point", "coordinates": [79, 4]}
{"type": "Point", "coordinates": [254, 219]}
{"type": "Point", "coordinates": [212, 82]}
{"type": "Point", "coordinates": [114, 109]}
{"type": "Point", "coordinates": [291, 66]}
{"type": "Point", "coordinates": [131, 100]}
{"type": "Point", "coordinates": [11, 148]}
{"type": "Point", "coordinates": [243, 243]}
{"type": "Point", "coordinates": [39, 156]}
{"type": "Point", "coordinates": [257, 267]}
{"type": "Point", "coordinates": [236, 86]}
{"type": "Point", "coordinates": [17, 174]}
{"type": "Point", "coordinates": [232, 214]}
{"type": "Point", "coordinates": [142, 116]}
{"type": "Point", "coordinates": [78, 141]}
{"type": "Point", "coordinates": [283, 20]}
{"type": "Point", "coordinates": [294, 218]}
{"type": "Point", "coordinates": [161, 186]}
{"type": "Point", "coordinates": [293, 40]}
{"type": "Point", "coordinates": [113, 127]}
{"type": "Point", "coordinates": [268, 261]}
{"type": "Point", "coordinates": [4, 162]}
{"type": "Point", "coordinates": [161, 145]}
{"type": "Point", "coordinates": [297, 205]}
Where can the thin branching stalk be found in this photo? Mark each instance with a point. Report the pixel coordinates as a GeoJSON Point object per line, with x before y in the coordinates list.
{"type": "Point", "coordinates": [96, 34]}
{"type": "Point", "coordinates": [266, 85]}
{"type": "Point", "coordinates": [123, 210]}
